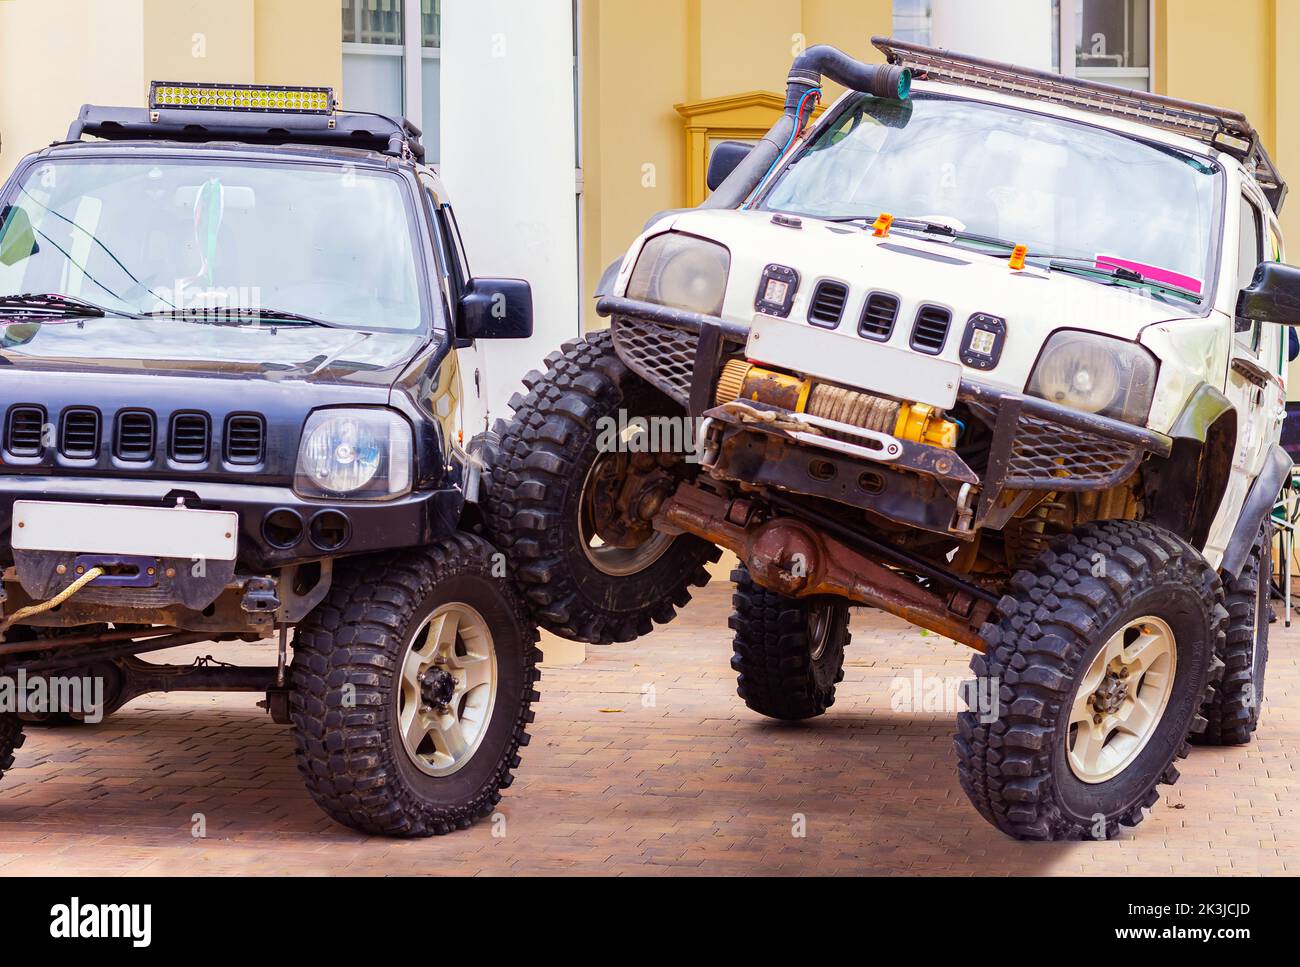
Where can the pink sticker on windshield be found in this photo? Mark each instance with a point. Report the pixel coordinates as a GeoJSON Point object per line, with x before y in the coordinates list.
{"type": "Point", "coordinates": [1153, 272]}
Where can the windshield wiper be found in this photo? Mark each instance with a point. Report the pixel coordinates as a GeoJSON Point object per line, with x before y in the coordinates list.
{"type": "Point", "coordinates": [1060, 263]}
{"type": "Point", "coordinates": [1118, 273]}
{"type": "Point", "coordinates": [236, 315]}
{"type": "Point", "coordinates": [927, 227]}
{"type": "Point", "coordinates": [54, 302]}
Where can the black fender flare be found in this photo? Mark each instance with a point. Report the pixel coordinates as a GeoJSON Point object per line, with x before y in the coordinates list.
{"type": "Point", "coordinates": [1259, 504]}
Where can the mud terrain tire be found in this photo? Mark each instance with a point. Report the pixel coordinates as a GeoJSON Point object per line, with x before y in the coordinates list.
{"type": "Point", "coordinates": [1017, 760]}
{"type": "Point", "coordinates": [11, 738]}
{"type": "Point", "coordinates": [537, 469]}
{"type": "Point", "coordinates": [1233, 714]}
{"type": "Point", "coordinates": [352, 754]}
{"type": "Point", "coordinates": [789, 652]}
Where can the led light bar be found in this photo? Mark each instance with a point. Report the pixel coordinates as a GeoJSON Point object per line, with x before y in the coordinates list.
{"type": "Point", "coordinates": [1229, 131]}
{"type": "Point", "coordinates": [264, 98]}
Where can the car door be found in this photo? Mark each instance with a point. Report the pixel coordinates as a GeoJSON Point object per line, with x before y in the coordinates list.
{"type": "Point", "coordinates": [1254, 379]}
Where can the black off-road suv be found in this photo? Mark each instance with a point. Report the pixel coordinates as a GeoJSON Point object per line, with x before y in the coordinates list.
{"type": "Point", "coordinates": [231, 407]}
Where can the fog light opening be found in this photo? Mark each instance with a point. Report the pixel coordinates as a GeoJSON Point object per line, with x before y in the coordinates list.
{"type": "Point", "coordinates": [329, 530]}
{"type": "Point", "coordinates": [282, 528]}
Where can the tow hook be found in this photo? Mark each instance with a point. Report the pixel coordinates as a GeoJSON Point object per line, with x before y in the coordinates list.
{"type": "Point", "coordinates": [260, 596]}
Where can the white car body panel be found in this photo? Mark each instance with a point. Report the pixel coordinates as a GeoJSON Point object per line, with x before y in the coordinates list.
{"type": "Point", "coordinates": [1193, 345]}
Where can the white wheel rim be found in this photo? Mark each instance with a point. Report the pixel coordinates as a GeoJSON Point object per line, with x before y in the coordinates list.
{"type": "Point", "coordinates": [1121, 699]}
{"type": "Point", "coordinates": [448, 689]}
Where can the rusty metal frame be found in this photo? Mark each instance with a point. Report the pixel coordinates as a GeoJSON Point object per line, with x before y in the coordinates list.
{"type": "Point", "coordinates": [792, 557]}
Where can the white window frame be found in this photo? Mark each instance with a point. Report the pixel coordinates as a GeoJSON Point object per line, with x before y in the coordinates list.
{"type": "Point", "coordinates": [1066, 40]}
{"type": "Point", "coordinates": [413, 54]}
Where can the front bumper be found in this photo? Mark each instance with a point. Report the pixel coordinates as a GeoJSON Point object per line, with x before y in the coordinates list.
{"type": "Point", "coordinates": [358, 527]}
{"type": "Point", "coordinates": [1036, 445]}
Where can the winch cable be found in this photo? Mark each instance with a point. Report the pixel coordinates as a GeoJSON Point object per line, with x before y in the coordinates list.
{"type": "Point", "coordinates": [54, 602]}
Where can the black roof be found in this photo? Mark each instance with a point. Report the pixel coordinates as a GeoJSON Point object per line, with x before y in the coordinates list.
{"type": "Point", "coordinates": [373, 132]}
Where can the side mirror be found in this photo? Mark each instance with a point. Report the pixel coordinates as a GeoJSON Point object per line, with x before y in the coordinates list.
{"type": "Point", "coordinates": [726, 156]}
{"type": "Point", "coordinates": [495, 309]}
{"type": "Point", "coordinates": [1272, 296]}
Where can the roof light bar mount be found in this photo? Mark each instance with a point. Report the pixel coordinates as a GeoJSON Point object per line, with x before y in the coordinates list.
{"type": "Point", "coordinates": [1228, 131]}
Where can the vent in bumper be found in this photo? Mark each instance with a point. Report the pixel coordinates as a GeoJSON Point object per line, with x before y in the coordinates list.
{"type": "Point", "coordinates": [827, 305]}
{"type": "Point", "coordinates": [79, 433]}
{"type": "Point", "coordinates": [134, 436]}
{"type": "Point", "coordinates": [931, 329]}
{"type": "Point", "coordinates": [25, 431]}
{"type": "Point", "coordinates": [878, 316]}
{"type": "Point", "coordinates": [190, 435]}
{"type": "Point", "coordinates": [245, 440]}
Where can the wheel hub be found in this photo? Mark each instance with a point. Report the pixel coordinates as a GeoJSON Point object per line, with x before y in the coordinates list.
{"type": "Point", "coordinates": [1111, 696]}
{"type": "Point", "coordinates": [437, 688]}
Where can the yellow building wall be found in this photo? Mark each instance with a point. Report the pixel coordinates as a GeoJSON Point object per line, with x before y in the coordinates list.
{"type": "Point", "coordinates": [199, 40]}
{"type": "Point", "coordinates": [639, 60]}
{"type": "Point", "coordinates": [56, 55]}
{"type": "Point", "coordinates": [298, 42]}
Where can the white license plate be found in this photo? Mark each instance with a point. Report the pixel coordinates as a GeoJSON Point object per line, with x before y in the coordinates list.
{"type": "Point", "coordinates": [853, 361]}
{"type": "Point", "coordinates": [40, 525]}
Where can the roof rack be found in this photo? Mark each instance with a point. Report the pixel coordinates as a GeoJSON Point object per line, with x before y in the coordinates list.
{"type": "Point", "coordinates": [1228, 131]}
{"type": "Point", "coordinates": [374, 132]}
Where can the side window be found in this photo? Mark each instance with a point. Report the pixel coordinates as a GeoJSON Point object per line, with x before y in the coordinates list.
{"type": "Point", "coordinates": [456, 242]}
{"type": "Point", "coordinates": [448, 266]}
{"type": "Point", "coordinates": [1250, 252]}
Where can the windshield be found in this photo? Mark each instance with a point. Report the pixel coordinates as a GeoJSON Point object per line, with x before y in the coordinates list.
{"type": "Point", "coordinates": [330, 243]}
{"type": "Point", "coordinates": [1059, 187]}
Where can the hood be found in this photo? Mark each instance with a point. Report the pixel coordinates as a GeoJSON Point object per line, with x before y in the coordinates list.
{"type": "Point", "coordinates": [177, 347]}
{"type": "Point", "coordinates": [1034, 302]}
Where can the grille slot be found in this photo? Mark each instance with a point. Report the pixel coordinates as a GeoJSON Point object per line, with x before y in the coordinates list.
{"type": "Point", "coordinates": [133, 439]}
{"type": "Point", "coordinates": [244, 439]}
{"type": "Point", "coordinates": [25, 431]}
{"type": "Point", "coordinates": [878, 316]}
{"type": "Point", "coordinates": [931, 329]}
{"type": "Point", "coordinates": [827, 305]}
{"type": "Point", "coordinates": [79, 433]}
{"type": "Point", "coordinates": [189, 438]}
{"type": "Point", "coordinates": [662, 356]}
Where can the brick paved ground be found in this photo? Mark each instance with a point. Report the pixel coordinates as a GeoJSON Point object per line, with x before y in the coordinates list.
{"type": "Point", "coordinates": [694, 784]}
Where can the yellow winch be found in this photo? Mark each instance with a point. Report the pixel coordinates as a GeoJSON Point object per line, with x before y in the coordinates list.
{"type": "Point", "coordinates": [916, 422]}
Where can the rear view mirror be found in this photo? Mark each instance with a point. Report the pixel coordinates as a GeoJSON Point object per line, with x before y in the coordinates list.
{"type": "Point", "coordinates": [1272, 296]}
{"type": "Point", "coordinates": [17, 238]}
{"type": "Point", "coordinates": [495, 309]}
{"type": "Point", "coordinates": [726, 156]}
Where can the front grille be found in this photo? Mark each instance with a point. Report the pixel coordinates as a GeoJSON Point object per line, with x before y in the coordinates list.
{"type": "Point", "coordinates": [1048, 456]}
{"type": "Point", "coordinates": [931, 329]}
{"type": "Point", "coordinates": [79, 433]}
{"type": "Point", "coordinates": [827, 305]}
{"type": "Point", "coordinates": [663, 357]}
{"type": "Point", "coordinates": [133, 438]}
{"type": "Point", "coordinates": [25, 432]}
{"type": "Point", "coordinates": [189, 438]}
{"type": "Point", "coordinates": [244, 439]}
{"type": "Point", "coordinates": [878, 316]}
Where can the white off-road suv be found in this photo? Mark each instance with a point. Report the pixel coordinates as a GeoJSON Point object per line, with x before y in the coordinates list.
{"type": "Point", "coordinates": [995, 353]}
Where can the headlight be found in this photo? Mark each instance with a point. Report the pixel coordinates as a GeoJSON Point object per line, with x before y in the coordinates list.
{"type": "Point", "coordinates": [681, 271]}
{"type": "Point", "coordinates": [362, 453]}
{"type": "Point", "coordinates": [1096, 374]}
